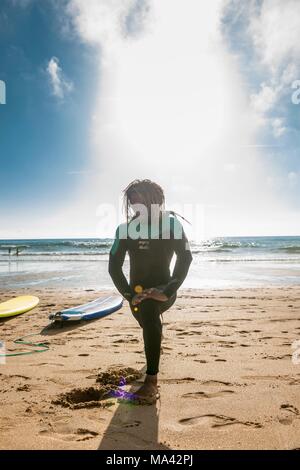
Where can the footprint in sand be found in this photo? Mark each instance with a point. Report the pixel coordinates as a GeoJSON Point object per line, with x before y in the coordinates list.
{"type": "Point", "coordinates": [290, 412]}
{"type": "Point", "coordinates": [178, 381]}
{"type": "Point", "coordinates": [264, 377]}
{"type": "Point", "coordinates": [215, 382]}
{"type": "Point", "coordinates": [221, 393]}
{"type": "Point", "coordinates": [14, 381]}
{"type": "Point", "coordinates": [67, 431]}
{"type": "Point", "coordinates": [226, 344]}
{"type": "Point", "coordinates": [271, 378]}
{"type": "Point", "coordinates": [12, 376]}
{"type": "Point", "coordinates": [51, 364]}
{"type": "Point", "coordinates": [273, 358]}
{"type": "Point", "coordinates": [216, 421]}
{"type": "Point", "coordinates": [189, 333]}
{"type": "Point", "coordinates": [131, 340]}
{"type": "Point", "coordinates": [187, 354]}
{"type": "Point", "coordinates": [23, 388]}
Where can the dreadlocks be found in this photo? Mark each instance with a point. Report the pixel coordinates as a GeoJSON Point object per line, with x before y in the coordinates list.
{"type": "Point", "coordinates": [148, 192]}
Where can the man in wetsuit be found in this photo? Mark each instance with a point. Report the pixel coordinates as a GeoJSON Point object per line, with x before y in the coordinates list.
{"type": "Point", "coordinates": [152, 289]}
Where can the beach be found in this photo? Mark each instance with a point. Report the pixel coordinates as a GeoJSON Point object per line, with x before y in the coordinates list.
{"type": "Point", "coordinates": [149, 150]}
{"type": "Point", "coordinates": [227, 379]}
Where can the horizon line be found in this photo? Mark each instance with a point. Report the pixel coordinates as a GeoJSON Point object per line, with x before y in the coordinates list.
{"type": "Point", "coordinates": [111, 238]}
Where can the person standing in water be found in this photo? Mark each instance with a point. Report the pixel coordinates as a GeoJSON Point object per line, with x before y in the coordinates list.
{"type": "Point", "coordinates": [151, 236]}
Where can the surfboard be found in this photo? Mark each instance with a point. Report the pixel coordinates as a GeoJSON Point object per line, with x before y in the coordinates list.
{"type": "Point", "coordinates": [18, 305]}
{"type": "Point", "coordinates": [96, 309]}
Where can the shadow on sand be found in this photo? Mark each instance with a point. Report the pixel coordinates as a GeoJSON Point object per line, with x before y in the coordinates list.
{"type": "Point", "coordinates": [56, 328]}
{"type": "Point", "coordinates": [133, 427]}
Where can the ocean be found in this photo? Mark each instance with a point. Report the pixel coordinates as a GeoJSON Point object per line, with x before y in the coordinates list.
{"type": "Point", "coordinates": [217, 263]}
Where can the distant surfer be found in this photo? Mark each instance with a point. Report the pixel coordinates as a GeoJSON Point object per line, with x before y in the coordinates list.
{"type": "Point", "coordinates": [150, 236]}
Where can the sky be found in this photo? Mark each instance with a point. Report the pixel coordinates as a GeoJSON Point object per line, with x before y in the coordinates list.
{"type": "Point", "coordinates": [202, 97]}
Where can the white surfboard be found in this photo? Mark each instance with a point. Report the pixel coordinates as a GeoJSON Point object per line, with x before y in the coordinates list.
{"type": "Point", "coordinates": [96, 309]}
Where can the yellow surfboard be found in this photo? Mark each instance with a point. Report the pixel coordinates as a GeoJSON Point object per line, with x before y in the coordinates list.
{"type": "Point", "coordinates": [18, 305]}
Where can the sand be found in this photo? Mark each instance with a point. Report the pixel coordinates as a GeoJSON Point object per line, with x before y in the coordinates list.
{"type": "Point", "coordinates": [227, 379]}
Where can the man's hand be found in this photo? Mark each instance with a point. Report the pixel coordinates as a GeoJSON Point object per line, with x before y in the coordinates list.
{"type": "Point", "coordinates": [151, 293]}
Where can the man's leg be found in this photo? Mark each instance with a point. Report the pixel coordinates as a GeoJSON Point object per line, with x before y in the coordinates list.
{"type": "Point", "coordinates": [148, 316]}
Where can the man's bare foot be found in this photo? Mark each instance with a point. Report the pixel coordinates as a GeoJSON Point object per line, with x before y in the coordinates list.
{"type": "Point", "coordinates": [149, 388]}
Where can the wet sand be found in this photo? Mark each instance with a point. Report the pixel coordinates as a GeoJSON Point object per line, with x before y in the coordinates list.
{"type": "Point", "coordinates": [227, 379]}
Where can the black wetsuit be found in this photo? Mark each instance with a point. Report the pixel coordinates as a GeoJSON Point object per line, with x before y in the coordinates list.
{"type": "Point", "coordinates": [150, 267]}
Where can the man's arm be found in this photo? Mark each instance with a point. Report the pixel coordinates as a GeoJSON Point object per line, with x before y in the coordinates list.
{"type": "Point", "coordinates": [116, 261]}
{"type": "Point", "coordinates": [183, 261]}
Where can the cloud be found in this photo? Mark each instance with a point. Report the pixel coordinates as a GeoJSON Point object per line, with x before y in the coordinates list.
{"type": "Point", "coordinates": [59, 83]}
{"type": "Point", "coordinates": [278, 127]}
{"type": "Point", "coordinates": [174, 104]}
{"type": "Point", "coordinates": [106, 23]}
{"type": "Point", "coordinates": [265, 99]}
{"type": "Point", "coordinates": [268, 32]}
{"type": "Point", "coordinates": [171, 105]}
{"type": "Point", "coordinates": [275, 33]}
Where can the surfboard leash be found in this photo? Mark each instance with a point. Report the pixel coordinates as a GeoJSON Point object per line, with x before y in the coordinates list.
{"type": "Point", "coordinates": [28, 343]}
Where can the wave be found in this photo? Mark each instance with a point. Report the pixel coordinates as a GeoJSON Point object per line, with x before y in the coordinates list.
{"type": "Point", "coordinates": [46, 244]}
{"type": "Point", "coordinates": [85, 244]}
{"type": "Point", "coordinates": [72, 248]}
{"type": "Point", "coordinates": [226, 245]}
{"type": "Point", "coordinates": [237, 246]}
{"type": "Point", "coordinates": [101, 257]}
{"type": "Point", "coordinates": [253, 259]}
{"type": "Point", "coordinates": [210, 250]}
{"type": "Point", "coordinates": [262, 244]}
{"type": "Point", "coordinates": [59, 253]}
{"type": "Point", "coordinates": [290, 249]}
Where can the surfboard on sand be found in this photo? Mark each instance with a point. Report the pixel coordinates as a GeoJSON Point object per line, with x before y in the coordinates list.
{"type": "Point", "coordinates": [18, 305]}
{"type": "Point", "coordinates": [96, 309]}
